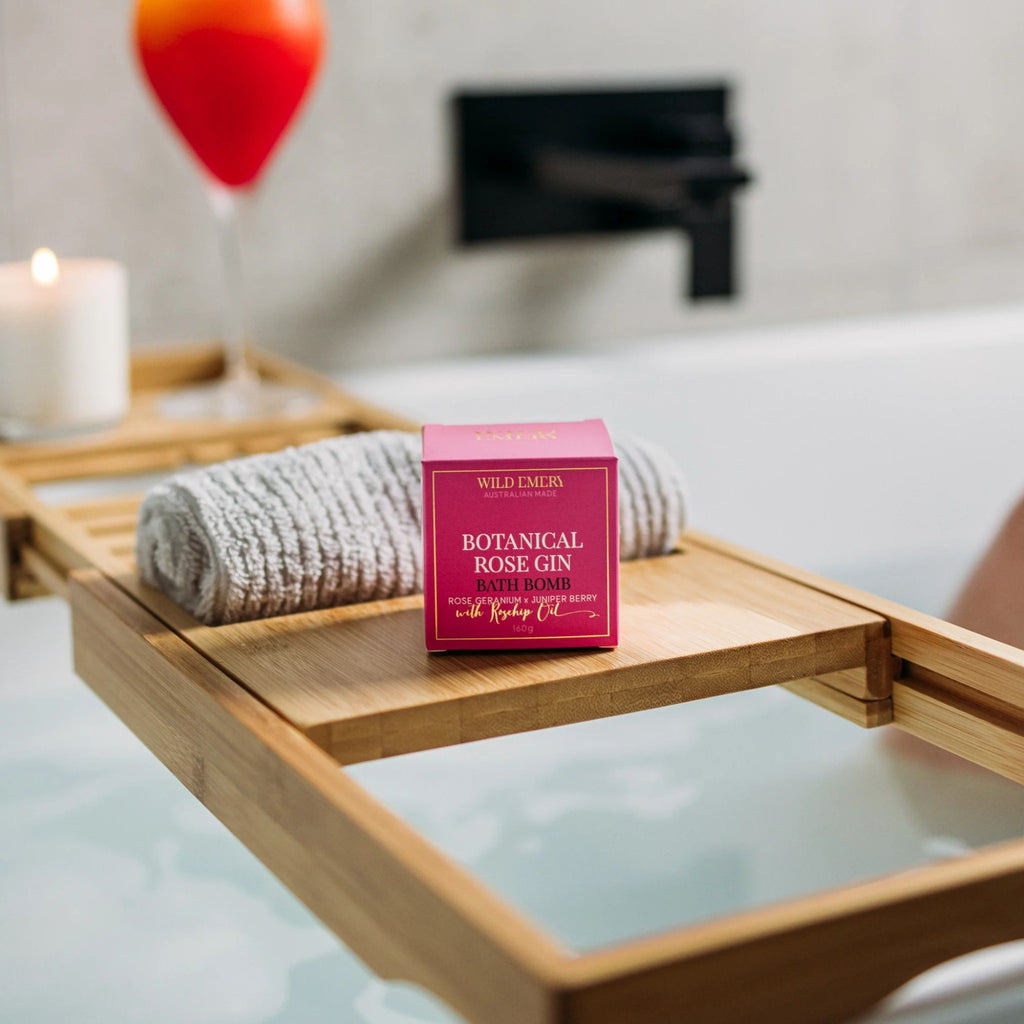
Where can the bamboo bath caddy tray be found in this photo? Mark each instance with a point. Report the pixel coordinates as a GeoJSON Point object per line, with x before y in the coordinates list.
{"type": "Point", "coordinates": [257, 719]}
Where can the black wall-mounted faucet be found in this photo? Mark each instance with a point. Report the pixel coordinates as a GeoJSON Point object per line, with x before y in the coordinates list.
{"type": "Point", "coordinates": [570, 163]}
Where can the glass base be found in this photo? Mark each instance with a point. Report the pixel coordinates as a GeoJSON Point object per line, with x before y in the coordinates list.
{"type": "Point", "coordinates": [238, 400]}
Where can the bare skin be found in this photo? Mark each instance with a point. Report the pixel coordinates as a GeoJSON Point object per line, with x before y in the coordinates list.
{"type": "Point", "coordinates": [992, 600]}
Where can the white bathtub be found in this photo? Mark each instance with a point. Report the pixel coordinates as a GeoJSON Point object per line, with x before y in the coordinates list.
{"type": "Point", "coordinates": [881, 452]}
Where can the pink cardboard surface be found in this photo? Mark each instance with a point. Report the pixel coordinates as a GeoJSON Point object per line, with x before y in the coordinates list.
{"type": "Point", "coordinates": [520, 536]}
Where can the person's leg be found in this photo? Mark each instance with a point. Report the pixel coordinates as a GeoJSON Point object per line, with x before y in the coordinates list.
{"type": "Point", "coordinates": [992, 600]}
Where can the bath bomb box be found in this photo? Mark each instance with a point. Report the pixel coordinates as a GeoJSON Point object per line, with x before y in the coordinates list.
{"type": "Point", "coordinates": [520, 535]}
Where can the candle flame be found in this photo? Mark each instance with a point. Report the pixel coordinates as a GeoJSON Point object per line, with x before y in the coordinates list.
{"type": "Point", "coordinates": [45, 268]}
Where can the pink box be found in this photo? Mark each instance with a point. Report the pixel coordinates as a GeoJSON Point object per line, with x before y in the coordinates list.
{"type": "Point", "coordinates": [520, 536]}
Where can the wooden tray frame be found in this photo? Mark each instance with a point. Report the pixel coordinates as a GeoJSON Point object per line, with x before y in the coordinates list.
{"type": "Point", "coordinates": [404, 907]}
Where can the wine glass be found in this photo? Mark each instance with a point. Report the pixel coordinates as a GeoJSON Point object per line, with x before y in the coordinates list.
{"type": "Point", "coordinates": [231, 76]}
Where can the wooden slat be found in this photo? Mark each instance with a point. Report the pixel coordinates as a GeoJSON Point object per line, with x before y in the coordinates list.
{"type": "Point", "coordinates": [26, 586]}
{"type": "Point", "coordinates": [147, 441]}
{"type": "Point", "coordinates": [106, 508]}
{"type": "Point", "coordinates": [868, 714]}
{"type": "Point", "coordinates": [211, 703]}
{"type": "Point", "coordinates": [412, 914]}
{"type": "Point", "coordinates": [874, 681]}
{"type": "Point", "coordinates": [67, 543]}
{"type": "Point", "coordinates": [988, 666]}
{"type": "Point", "coordinates": [114, 526]}
{"type": "Point", "coordinates": [823, 959]}
{"type": "Point", "coordinates": [403, 907]}
{"type": "Point", "coordinates": [694, 624]}
{"type": "Point", "coordinates": [944, 713]}
{"type": "Point", "coordinates": [44, 572]}
{"type": "Point", "coordinates": [14, 529]}
{"type": "Point", "coordinates": [851, 681]}
{"type": "Point", "coordinates": [125, 462]}
{"type": "Point", "coordinates": [143, 443]}
{"type": "Point", "coordinates": [176, 366]}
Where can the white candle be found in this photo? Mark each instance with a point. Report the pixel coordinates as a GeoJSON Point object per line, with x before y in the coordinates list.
{"type": "Point", "coordinates": [63, 344]}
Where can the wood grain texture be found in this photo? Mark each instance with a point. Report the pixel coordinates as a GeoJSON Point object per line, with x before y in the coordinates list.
{"type": "Point", "coordinates": [412, 914]}
{"type": "Point", "coordinates": [694, 624]}
{"type": "Point", "coordinates": [174, 366]}
{"type": "Point", "coordinates": [14, 528]}
{"type": "Point", "coordinates": [819, 960]}
{"type": "Point", "coordinates": [26, 586]}
{"type": "Point", "coordinates": [146, 441]}
{"type": "Point", "coordinates": [868, 714]}
{"type": "Point", "coordinates": [991, 668]}
{"type": "Point", "coordinates": [105, 508]}
{"type": "Point", "coordinates": [50, 537]}
{"type": "Point", "coordinates": [874, 681]}
{"type": "Point", "coordinates": [989, 733]}
{"type": "Point", "coordinates": [217, 706]}
{"type": "Point", "coordinates": [101, 534]}
{"type": "Point", "coordinates": [404, 908]}
{"type": "Point", "coordinates": [49, 577]}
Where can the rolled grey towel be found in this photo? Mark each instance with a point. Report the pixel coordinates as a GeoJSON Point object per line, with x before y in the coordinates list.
{"type": "Point", "coordinates": [338, 521]}
{"type": "Point", "coordinates": [652, 498]}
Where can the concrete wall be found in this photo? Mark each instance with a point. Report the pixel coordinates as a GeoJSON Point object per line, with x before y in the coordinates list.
{"type": "Point", "coordinates": [886, 137]}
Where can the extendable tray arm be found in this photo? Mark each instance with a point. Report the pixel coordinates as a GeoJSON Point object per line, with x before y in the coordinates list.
{"type": "Point", "coordinates": [956, 689]}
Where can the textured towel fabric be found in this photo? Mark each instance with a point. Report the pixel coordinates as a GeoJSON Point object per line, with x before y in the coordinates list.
{"type": "Point", "coordinates": [336, 522]}
{"type": "Point", "coordinates": [652, 498]}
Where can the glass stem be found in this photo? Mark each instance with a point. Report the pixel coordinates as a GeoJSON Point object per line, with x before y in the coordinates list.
{"type": "Point", "coordinates": [228, 207]}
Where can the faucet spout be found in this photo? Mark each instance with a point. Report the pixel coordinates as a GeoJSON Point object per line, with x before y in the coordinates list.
{"type": "Point", "coordinates": [712, 264]}
{"type": "Point", "coordinates": [560, 164]}
{"type": "Point", "coordinates": [693, 193]}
